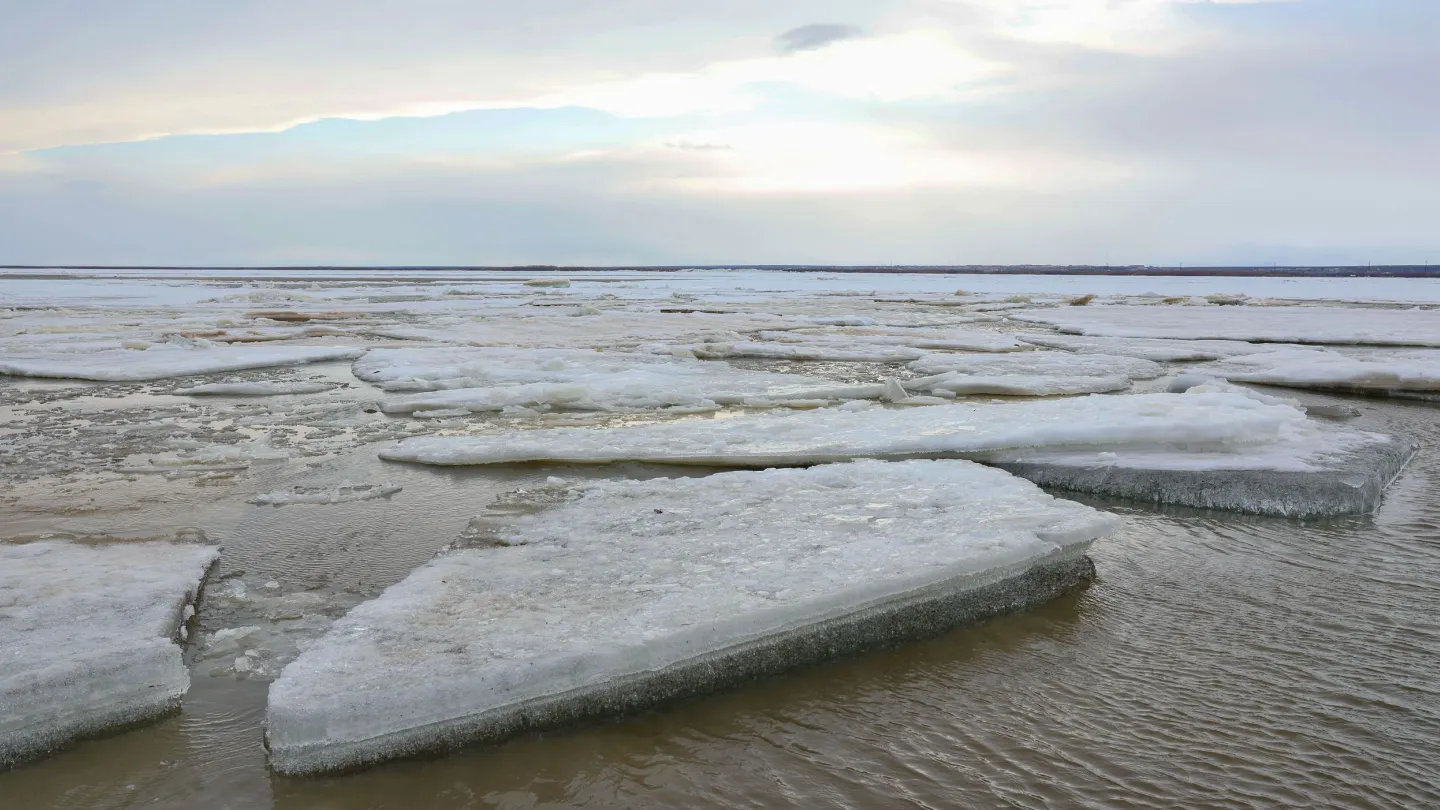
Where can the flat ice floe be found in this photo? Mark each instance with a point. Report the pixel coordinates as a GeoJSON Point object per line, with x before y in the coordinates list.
{"type": "Point", "coordinates": [839, 351]}
{"type": "Point", "coordinates": [165, 360]}
{"type": "Point", "coordinates": [87, 637]}
{"type": "Point", "coordinates": [1398, 372]}
{"type": "Point", "coordinates": [625, 594]}
{"type": "Point", "coordinates": [1338, 325]}
{"type": "Point", "coordinates": [970, 340]}
{"type": "Point", "coordinates": [492, 379]}
{"type": "Point", "coordinates": [1161, 350]}
{"type": "Point", "coordinates": [1039, 363]}
{"type": "Point", "coordinates": [835, 434]}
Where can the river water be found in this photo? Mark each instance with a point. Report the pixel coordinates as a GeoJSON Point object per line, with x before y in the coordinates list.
{"type": "Point", "coordinates": [1217, 661]}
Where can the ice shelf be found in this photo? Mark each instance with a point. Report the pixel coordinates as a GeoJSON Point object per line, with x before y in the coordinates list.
{"type": "Point", "coordinates": [620, 595]}
{"type": "Point", "coordinates": [87, 638]}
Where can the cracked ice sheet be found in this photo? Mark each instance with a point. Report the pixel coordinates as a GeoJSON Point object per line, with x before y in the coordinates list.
{"type": "Point", "coordinates": [837, 351]}
{"type": "Point", "coordinates": [1338, 325]}
{"type": "Point", "coordinates": [165, 360]}
{"type": "Point", "coordinates": [86, 637]}
{"type": "Point", "coordinates": [1312, 368]}
{"type": "Point", "coordinates": [661, 573]}
{"type": "Point", "coordinates": [1102, 422]}
{"type": "Point", "coordinates": [1157, 349]}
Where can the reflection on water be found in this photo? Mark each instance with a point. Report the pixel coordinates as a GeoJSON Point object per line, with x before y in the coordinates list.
{"type": "Point", "coordinates": [1219, 661]}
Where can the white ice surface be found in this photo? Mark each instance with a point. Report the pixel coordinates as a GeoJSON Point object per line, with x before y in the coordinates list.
{"type": "Point", "coordinates": [1158, 349]}
{"type": "Point", "coordinates": [1039, 363]}
{"type": "Point", "coordinates": [835, 434]}
{"type": "Point", "coordinates": [1339, 325]}
{"type": "Point", "coordinates": [1311, 368]}
{"type": "Point", "coordinates": [255, 389]}
{"type": "Point", "coordinates": [1017, 385]}
{"type": "Point", "coordinates": [632, 577]}
{"type": "Point", "coordinates": [164, 360]}
{"type": "Point", "coordinates": [87, 636]}
{"type": "Point", "coordinates": [973, 340]}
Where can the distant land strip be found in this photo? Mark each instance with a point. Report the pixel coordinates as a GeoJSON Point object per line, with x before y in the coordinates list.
{"type": "Point", "coordinates": [1353, 271]}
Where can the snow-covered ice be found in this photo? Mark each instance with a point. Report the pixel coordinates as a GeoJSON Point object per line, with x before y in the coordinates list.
{"type": "Point", "coordinates": [835, 434]}
{"type": "Point", "coordinates": [971, 340]}
{"type": "Point", "coordinates": [1318, 324]}
{"type": "Point", "coordinates": [624, 594]}
{"type": "Point", "coordinates": [262, 388]}
{"type": "Point", "coordinates": [835, 351]}
{"type": "Point", "coordinates": [164, 360]}
{"type": "Point", "coordinates": [87, 636]}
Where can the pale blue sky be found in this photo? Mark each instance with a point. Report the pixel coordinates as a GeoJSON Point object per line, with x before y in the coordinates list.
{"type": "Point", "coordinates": [642, 131]}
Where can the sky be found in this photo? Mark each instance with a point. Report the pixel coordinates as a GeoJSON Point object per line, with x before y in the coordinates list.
{"type": "Point", "coordinates": [424, 132]}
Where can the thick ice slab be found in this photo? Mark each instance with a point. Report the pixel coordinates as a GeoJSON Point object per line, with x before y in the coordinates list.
{"type": "Point", "coordinates": [949, 339]}
{"type": "Point", "coordinates": [630, 593]}
{"type": "Point", "coordinates": [164, 360]}
{"type": "Point", "coordinates": [1162, 350]}
{"type": "Point", "coordinates": [1386, 327]}
{"type": "Point", "coordinates": [1040, 363]}
{"type": "Point", "coordinates": [835, 434]}
{"type": "Point", "coordinates": [840, 351]}
{"type": "Point", "coordinates": [1396, 372]}
{"type": "Point", "coordinates": [87, 638]}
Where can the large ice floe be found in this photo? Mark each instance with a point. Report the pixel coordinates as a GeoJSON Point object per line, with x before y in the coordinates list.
{"type": "Point", "coordinates": [1032, 373]}
{"type": "Point", "coordinates": [1390, 373]}
{"type": "Point", "coordinates": [623, 594]}
{"type": "Point", "coordinates": [1338, 325]}
{"type": "Point", "coordinates": [493, 379]}
{"type": "Point", "coordinates": [1207, 449]}
{"type": "Point", "coordinates": [87, 637]}
{"type": "Point", "coordinates": [158, 361]}
{"type": "Point", "coordinates": [1158, 349]}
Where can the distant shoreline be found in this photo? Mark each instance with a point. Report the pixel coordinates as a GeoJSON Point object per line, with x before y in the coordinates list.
{"type": "Point", "coordinates": [1363, 271]}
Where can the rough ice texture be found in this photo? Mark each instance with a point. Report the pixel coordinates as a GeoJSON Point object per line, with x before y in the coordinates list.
{"type": "Point", "coordinates": [1388, 327]}
{"type": "Point", "coordinates": [165, 360]}
{"type": "Point", "coordinates": [1161, 350]}
{"type": "Point", "coordinates": [1326, 370]}
{"type": "Point", "coordinates": [835, 434]}
{"type": "Point", "coordinates": [1017, 385]}
{"type": "Point", "coordinates": [627, 594]}
{"type": "Point", "coordinates": [1039, 363]}
{"type": "Point", "coordinates": [256, 389]}
{"type": "Point", "coordinates": [87, 638]}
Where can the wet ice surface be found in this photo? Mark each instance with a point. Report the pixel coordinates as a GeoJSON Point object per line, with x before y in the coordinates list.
{"type": "Point", "coordinates": [135, 460]}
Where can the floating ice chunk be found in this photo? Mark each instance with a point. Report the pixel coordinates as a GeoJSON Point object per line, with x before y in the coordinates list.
{"type": "Point", "coordinates": [1391, 327]}
{"type": "Point", "coordinates": [1312, 469]}
{"type": "Point", "coordinates": [344, 493]}
{"type": "Point", "coordinates": [1040, 363]}
{"type": "Point", "coordinates": [87, 638]}
{"type": "Point", "coordinates": [1415, 371]}
{"type": "Point", "coordinates": [837, 434]}
{"type": "Point", "coordinates": [1157, 349]}
{"type": "Point", "coordinates": [631, 593]}
{"type": "Point", "coordinates": [256, 389]}
{"type": "Point", "coordinates": [162, 361]}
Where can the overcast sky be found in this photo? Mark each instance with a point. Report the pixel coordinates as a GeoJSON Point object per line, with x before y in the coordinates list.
{"type": "Point", "coordinates": [745, 131]}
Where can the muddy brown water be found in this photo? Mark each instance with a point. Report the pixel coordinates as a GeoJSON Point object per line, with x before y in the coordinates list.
{"type": "Point", "coordinates": [1218, 661]}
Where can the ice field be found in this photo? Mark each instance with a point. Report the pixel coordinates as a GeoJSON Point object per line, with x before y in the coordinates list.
{"type": "Point", "coordinates": [621, 490]}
